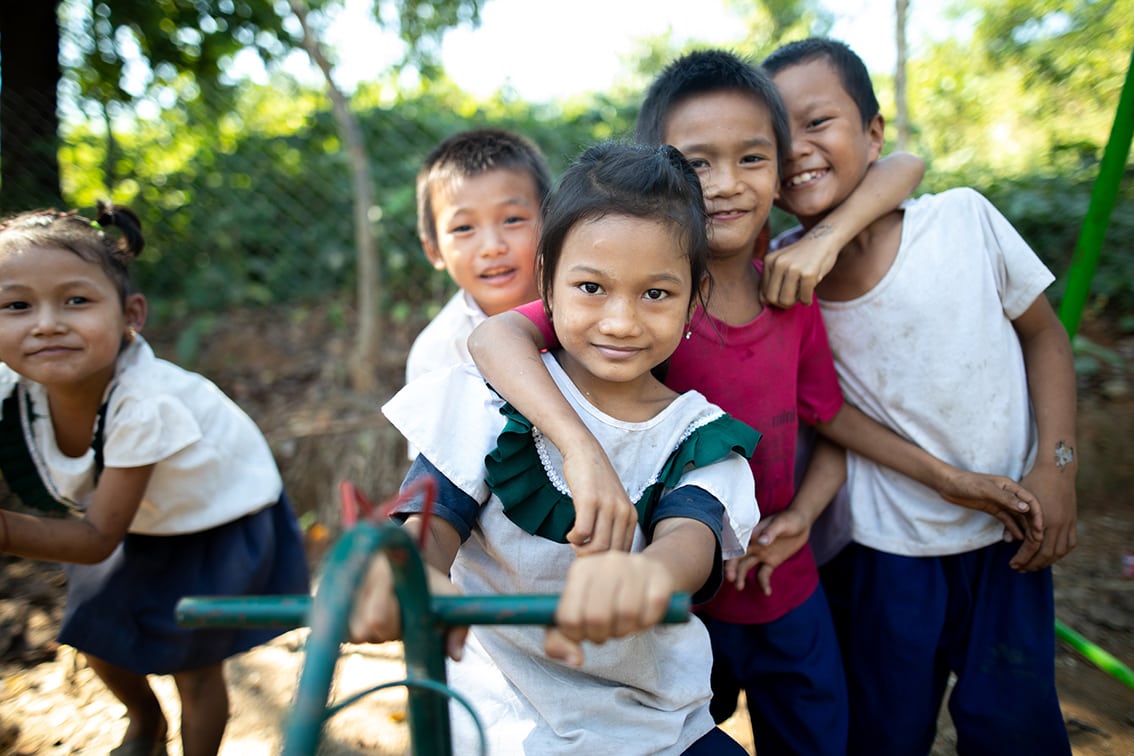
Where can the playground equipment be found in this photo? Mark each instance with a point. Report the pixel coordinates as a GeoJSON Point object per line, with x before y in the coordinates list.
{"type": "Point", "coordinates": [425, 621]}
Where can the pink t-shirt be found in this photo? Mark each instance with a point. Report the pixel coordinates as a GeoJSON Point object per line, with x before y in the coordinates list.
{"type": "Point", "coordinates": [770, 373]}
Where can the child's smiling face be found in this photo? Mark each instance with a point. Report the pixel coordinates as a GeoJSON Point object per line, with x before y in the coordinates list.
{"type": "Point", "coordinates": [727, 137]}
{"type": "Point", "coordinates": [621, 296]}
{"type": "Point", "coordinates": [487, 231]}
{"type": "Point", "coordinates": [830, 149]}
{"type": "Point", "coordinates": [62, 322]}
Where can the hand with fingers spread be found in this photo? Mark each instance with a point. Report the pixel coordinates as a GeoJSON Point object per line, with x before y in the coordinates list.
{"type": "Point", "coordinates": [774, 540]}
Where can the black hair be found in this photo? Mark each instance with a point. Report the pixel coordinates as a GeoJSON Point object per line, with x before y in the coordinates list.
{"type": "Point", "coordinates": [618, 179]}
{"type": "Point", "coordinates": [845, 62]}
{"type": "Point", "coordinates": [471, 153]}
{"type": "Point", "coordinates": [704, 72]}
{"type": "Point", "coordinates": [86, 238]}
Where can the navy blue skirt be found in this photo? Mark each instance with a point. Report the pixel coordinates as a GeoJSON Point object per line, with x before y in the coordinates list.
{"type": "Point", "coordinates": [121, 610]}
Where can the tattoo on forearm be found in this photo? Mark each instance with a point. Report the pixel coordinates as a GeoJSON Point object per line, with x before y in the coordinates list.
{"type": "Point", "coordinates": [823, 229]}
{"type": "Point", "coordinates": [1064, 455]}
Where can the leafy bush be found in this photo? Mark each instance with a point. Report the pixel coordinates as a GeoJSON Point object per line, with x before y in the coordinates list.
{"type": "Point", "coordinates": [1048, 211]}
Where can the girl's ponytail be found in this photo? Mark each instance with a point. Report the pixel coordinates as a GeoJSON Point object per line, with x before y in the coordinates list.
{"type": "Point", "coordinates": [131, 243]}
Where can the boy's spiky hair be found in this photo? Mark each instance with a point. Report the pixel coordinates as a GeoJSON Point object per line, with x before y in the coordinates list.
{"type": "Point", "coordinates": [471, 153]}
{"type": "Point", "coordinates": [705, 72]}
{"type": "Point", "coordinates": [846, 63]}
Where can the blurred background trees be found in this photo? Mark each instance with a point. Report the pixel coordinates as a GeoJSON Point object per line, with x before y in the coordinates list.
{"type": "Point", "coordinates": [249, 186]}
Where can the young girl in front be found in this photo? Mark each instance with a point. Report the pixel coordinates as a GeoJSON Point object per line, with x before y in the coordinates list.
{"type": "Point", "coordinates": [622, 264]}
{"type": "Point", "coordinates": [146, 478]}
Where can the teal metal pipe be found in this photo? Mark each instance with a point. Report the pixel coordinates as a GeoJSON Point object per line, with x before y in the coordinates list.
{"type": "Point", "coordinates": [346, 565]}
{"type": "Point", "coordinates": [292, 611]}
{"type": "Point", "coordinates": [425, 621]}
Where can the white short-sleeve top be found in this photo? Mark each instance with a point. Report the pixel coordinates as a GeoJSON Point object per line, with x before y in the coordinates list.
{"type": "Point", "coordinates": [212, 463]}
{"type": "Point", "coordinates": [645, 693]}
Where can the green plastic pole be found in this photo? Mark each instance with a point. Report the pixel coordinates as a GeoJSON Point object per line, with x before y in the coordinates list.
{"type": "Point", "coordinates": [1104, 193]}
{"type": "Point", "coordinates": [1097, 656]}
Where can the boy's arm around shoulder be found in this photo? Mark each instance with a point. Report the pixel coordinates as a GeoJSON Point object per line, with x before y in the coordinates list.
{"type": "Point", "coordinates": [506, 350]}
{"type": "Point", "coordinates": [1051, 386]}
{"type": "Point", "coordinates": [791, 273]}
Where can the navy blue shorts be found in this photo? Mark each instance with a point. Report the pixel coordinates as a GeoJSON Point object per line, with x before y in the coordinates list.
{"type": "Point", "coordinates": [792, 676]}
{"type": "Point", "coordinates": [121, 610]}
{"type": "Point", "coordinates": [913, 620]}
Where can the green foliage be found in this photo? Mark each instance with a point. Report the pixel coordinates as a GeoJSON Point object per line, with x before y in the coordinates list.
{"type": "Point", "coordinates": [174, 39]}
{"type": "Point", "coordinates": [1035, 88]}
{"type": "Point", "coordinates": [246, 198]}
{"type": "Point", "coordinates": [1048, 210]}
{"type": "Point", "coordinates": [254, 207]}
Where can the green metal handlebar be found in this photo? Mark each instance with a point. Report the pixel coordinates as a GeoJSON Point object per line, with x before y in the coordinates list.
{"type": "Point", "coordinates": [291, 611]}
{"type": "Point", "coordinates": [425, 620]}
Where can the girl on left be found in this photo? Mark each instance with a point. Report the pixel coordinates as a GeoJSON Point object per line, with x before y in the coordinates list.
{"type": "Point", "coordinates": [145, 478]}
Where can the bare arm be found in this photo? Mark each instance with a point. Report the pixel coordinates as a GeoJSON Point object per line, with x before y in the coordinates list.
{"type": "Point", "coordinates": [792, 273]}
{"type": "Point", "coordinates": [614, 594]}
{"type": "Point", "coordinates": [506, 350]}
{"type": "Point", "coordinates": [1051, 386]}
{"type": "Point", "coordinates": [997, 495]}
{"type": "Point", "coordinates": [779, 536]}
{"type": "Point", "coordinates": [86, 540]}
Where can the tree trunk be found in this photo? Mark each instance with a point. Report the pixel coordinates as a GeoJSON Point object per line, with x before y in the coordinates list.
{"type": "Point", "coordinates": [367, 350]}
{"type": "Point", "coordinates": [902, 117]}
{"type": "Point", "coordinates": [29, 123]}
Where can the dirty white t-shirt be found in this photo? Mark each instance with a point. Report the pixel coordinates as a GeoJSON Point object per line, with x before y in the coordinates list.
{"type": "Point", "coordinates": [931, 353]}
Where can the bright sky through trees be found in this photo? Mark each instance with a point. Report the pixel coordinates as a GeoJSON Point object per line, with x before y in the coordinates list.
{"type": "Point", "coordinates": [545, 49]}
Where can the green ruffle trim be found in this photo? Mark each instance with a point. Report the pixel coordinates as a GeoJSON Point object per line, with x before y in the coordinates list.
{"type": "Point", "coordinates": [516, 474]}
{"type": "Point", "coordinates": [17, 467]}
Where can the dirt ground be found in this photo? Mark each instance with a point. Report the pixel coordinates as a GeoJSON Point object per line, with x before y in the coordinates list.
{"type": "Point", "coordinates": [287, 370]}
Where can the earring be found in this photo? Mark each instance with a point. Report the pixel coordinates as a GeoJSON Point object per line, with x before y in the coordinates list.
{"type": "Point", "coordinates": [131, 334]}
{"type": "Point", "coordinates": [688, 334]}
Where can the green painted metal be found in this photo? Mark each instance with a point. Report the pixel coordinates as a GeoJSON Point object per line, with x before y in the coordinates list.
{"type": "Point", "coordinates": [291, 611]}
{"type": "Point", "coordinates": [425, 621]}
{"type": "Point", "coordinates": [1104, 193]}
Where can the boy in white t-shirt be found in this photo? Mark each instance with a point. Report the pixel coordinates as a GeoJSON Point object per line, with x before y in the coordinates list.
{"type": "Point", "coordinates": [940, 330]}
{"type": "Point", "coordinates": [479, 194]}
{"type": "Point", "coordinates": [479, 198]}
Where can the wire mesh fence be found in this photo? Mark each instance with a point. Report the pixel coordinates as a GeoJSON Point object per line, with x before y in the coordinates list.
{"type": "Point", "coordinates": [245, 191]}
